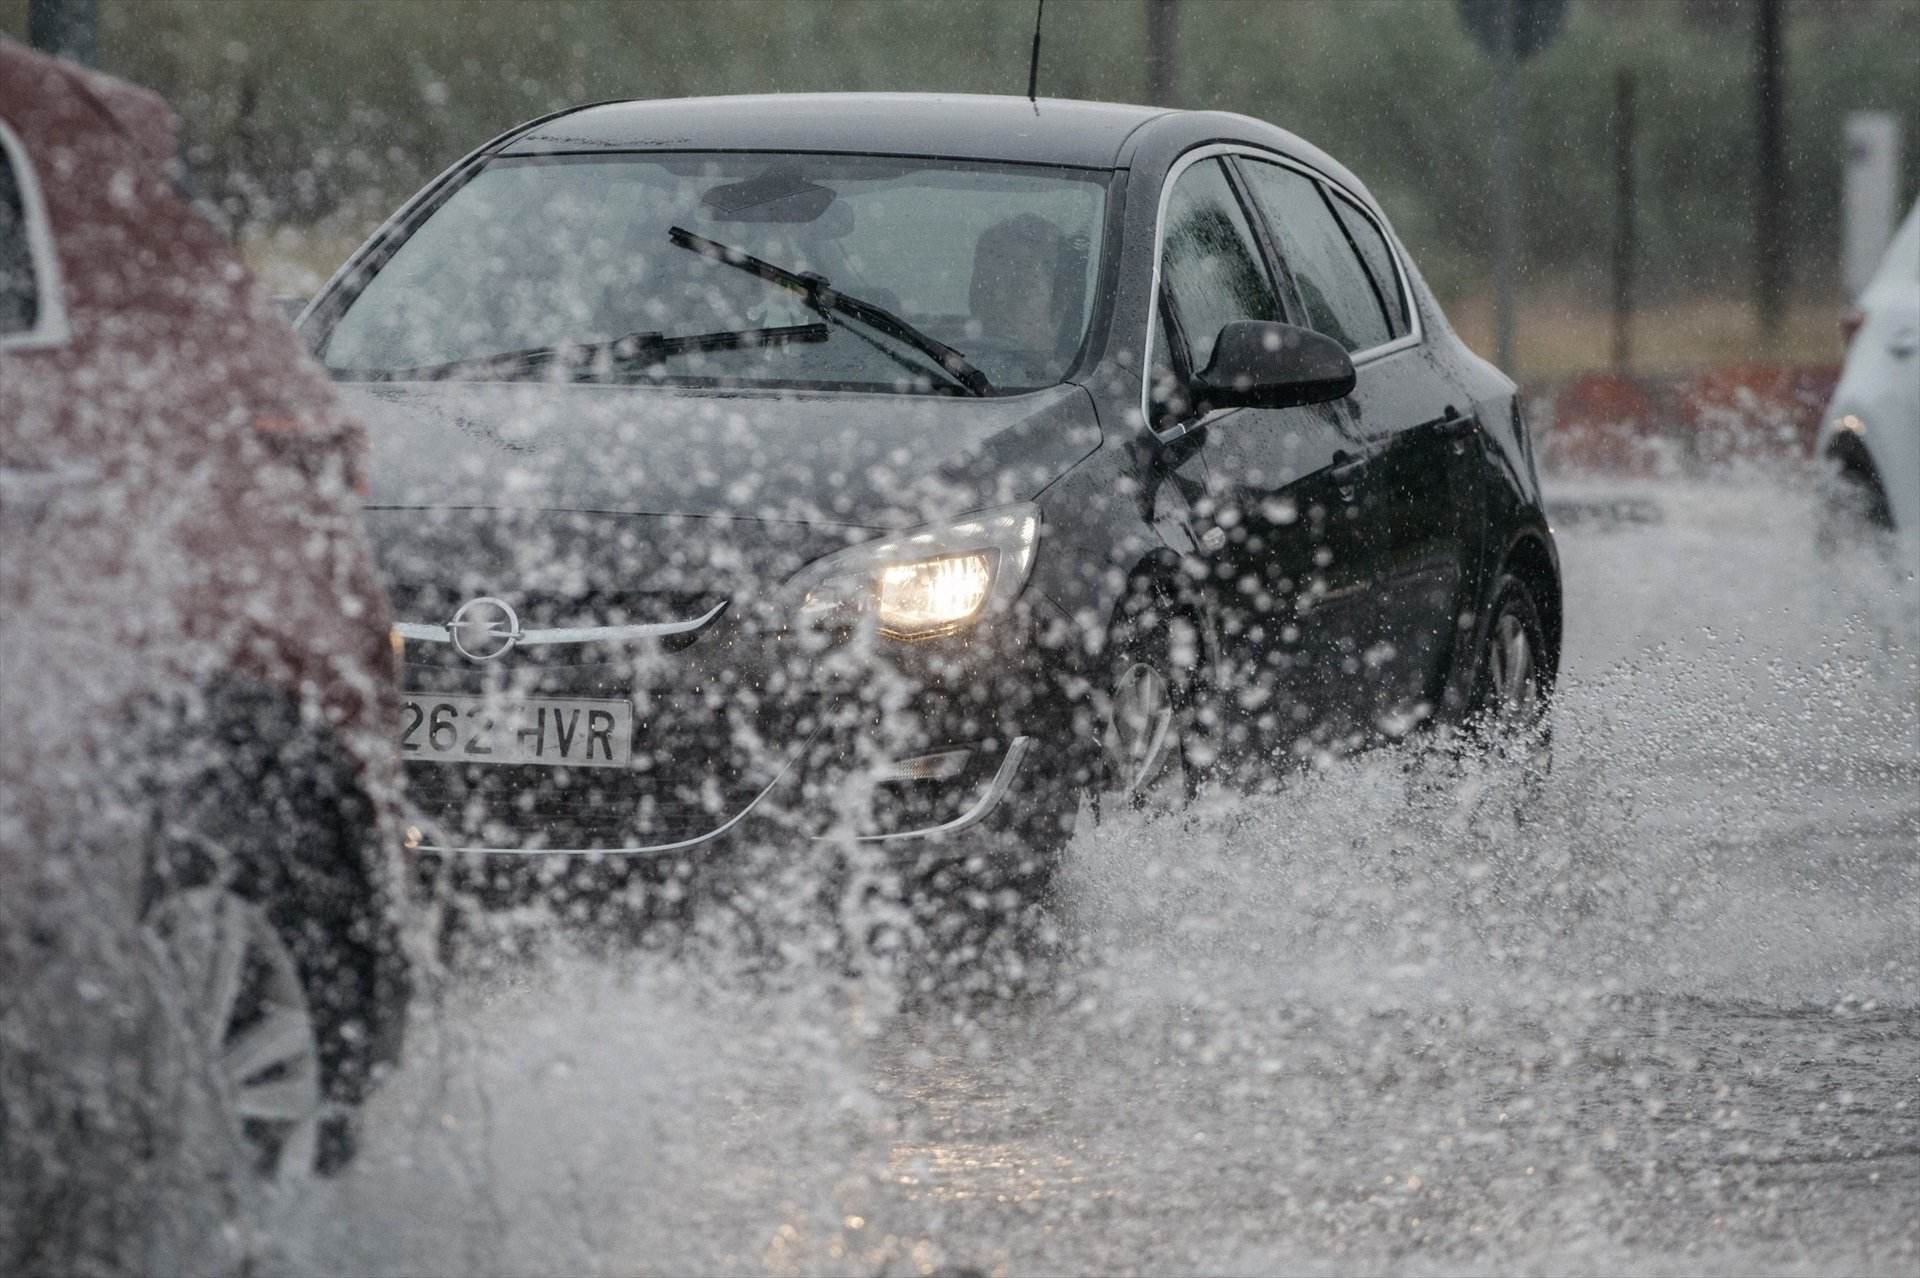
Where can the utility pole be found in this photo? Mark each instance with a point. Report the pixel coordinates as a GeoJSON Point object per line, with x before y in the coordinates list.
{"type": "Point", "coordinates": [1508, 31]}
{"type": "Point", "coordinates": [67, 28]}
{"type": "Point", "coordinates": [1623, 217]}
{"type": "Point", "coordinates": [1506, 215]}
{"type": "Point", "coordinates": [1161, 52]}
{"type": "Point", "coordinates": [1770, 195]}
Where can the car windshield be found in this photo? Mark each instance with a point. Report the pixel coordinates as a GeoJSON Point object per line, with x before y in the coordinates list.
{"type": "Point", "coordinates": [590, 268]}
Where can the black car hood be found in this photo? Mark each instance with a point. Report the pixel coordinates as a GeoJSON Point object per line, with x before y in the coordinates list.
{"type": "Point", "coordinates": [881, 461]}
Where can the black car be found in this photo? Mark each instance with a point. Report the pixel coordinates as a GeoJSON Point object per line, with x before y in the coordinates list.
{"type": "Point", "coordinates": [916, 471]}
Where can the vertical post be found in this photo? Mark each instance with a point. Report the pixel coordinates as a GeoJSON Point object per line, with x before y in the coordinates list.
{"type": "Point", "coordinates": [1770, 195]}
{"type": "Point", "coordinates": [1506, 216]}
{"type": "Point", "coordinates": [1161, 53]}
{"type": "Point", "coordinates": [68, 28]}
{"type": "Point", "coordinates": [1623, 211]}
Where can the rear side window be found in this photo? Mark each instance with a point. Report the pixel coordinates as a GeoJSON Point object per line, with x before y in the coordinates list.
{"type": "Point", "coordinates": [32, 314]}
{"type": "Point", "coordinates": [1338, 293]}
{"type": "Point", "coordinates": [1210, 266]}
{"type": "Point", "coordinates": [19, 294]}
{"type": "Point", "coordinates": [1379, 261]}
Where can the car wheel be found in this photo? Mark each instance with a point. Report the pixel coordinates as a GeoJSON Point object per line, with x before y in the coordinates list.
{"type": "Point", "coordinates": [1499, 780]}
{"type": "Point", "coordinates": [236, 994]}
{"type": "Point", "coordinates": [1851, 509]}
{"type": "Point", "coordinates": [259, 818]}
{"type": "Point", "coordinates": [1508, 715]}
{"type": "Point", "coordinates": [1151, 752]}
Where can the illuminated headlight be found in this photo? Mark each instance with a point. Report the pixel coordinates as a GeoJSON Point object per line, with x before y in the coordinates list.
{"type": "Point", "coordinates": [933, 593]}
{"type": "Point", "coordinates": [931, 581]}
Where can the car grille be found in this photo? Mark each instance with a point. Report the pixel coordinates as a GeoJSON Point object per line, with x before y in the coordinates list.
{"type": "Point", "coordinates": [434, 604]}
{"type": "Point", "coordinates": [539, 611]}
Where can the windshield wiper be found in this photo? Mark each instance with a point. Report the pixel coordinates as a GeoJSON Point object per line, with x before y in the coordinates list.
{"type": "Point", "coordinates": [592, 359]}
{"type": "Point", "coordinates": [822, 296]}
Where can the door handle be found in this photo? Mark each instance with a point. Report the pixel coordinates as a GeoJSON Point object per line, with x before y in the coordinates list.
{"type": "Point", "coordinates": [1904, 343]}
{"type": "Point", "coordinates": [1345, 468]}
{"type": "Point", "coordinates": [28, 492]}
{"type": "Point", "coordinates": [39, 483]}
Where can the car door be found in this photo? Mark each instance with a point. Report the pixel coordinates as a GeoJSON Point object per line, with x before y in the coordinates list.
{"type": "Point", "coordinates": [1277, 528]}
{"type": "Point", "coordinates": [1417, 493]}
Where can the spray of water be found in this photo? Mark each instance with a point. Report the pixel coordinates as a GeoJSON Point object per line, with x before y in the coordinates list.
{"type": "Point", "coordinates": [1366, 1019]}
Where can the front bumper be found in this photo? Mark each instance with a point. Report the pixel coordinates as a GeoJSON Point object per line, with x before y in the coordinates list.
{"type": "Point", "coordinates": [750, 732]}
{"type": "Point", "coordinates": [426, 834]}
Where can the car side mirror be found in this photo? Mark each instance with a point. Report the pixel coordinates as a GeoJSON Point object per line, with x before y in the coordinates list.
{"type": "Point", "coordinates": [1261, 364]}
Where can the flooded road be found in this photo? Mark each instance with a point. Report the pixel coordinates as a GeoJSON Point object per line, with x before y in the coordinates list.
{"type": "Point", "coordinates": [1671, 1025]}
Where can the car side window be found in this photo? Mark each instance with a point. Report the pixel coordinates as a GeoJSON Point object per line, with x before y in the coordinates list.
{"type": "Point", "coordinates": [19, 291]}
{"type": "Point", "coordinates": [1339, 295]}
{"type": "Point", "coordinates": [1378, 258]}
{"type": "Point", "coordinates": [1211, 271]}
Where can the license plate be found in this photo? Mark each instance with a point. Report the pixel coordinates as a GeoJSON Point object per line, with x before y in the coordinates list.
{"type": "Point", "coordinates": [552, 731]}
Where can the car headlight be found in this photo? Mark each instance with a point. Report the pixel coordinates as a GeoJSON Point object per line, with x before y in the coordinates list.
{"type": "Point", "coordinates": [930, 581]}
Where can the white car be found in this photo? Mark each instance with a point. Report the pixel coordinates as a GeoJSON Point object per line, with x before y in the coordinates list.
{"type": "Point", "coordinates": [1870, 437]}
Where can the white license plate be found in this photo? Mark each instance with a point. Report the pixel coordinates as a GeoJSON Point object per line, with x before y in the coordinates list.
{"type": "Point", "coordinates": [556, 732]}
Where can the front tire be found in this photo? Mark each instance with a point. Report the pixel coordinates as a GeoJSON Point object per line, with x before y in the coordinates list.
{"type": "Point", "coordinates": [262, 837]}
{"type": "Point", "coordinates": [1509, 710]}
{"type": "Point", "coordinates": [1153, 753]}
{"type": "Point", "coordinates": [1852, 508]}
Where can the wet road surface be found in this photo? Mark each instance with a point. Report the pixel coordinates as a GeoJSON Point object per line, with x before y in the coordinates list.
{"type": "Point", "coordinates": [1671, 1025]}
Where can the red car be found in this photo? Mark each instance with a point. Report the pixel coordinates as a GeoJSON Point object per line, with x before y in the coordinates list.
{"type": "Point", "coordinates": [197, 674]}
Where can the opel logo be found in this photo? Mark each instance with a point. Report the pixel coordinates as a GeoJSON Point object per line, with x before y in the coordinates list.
{"type": "Point", "coordinates": [485, 629]}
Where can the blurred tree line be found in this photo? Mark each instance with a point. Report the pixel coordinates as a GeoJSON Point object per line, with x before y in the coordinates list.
{"type": "Point", "coordinates": [327, 112]}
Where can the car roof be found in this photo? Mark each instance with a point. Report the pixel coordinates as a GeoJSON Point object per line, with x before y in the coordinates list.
{"type": "Point", "coordinates": [960, 126]}
{"type": "Point", "coordinates": [30, 78]}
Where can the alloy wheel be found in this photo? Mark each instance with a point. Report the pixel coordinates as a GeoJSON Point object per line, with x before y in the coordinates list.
{"type": "Point", "coordinates": [1515, 690]}
{"type": "Point", "coordinates": [1142, 743]}
{"type": "Point", "coordinates": [248, 1013]}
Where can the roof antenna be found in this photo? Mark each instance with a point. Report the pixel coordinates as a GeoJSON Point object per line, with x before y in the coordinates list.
{"type": "Point", "coordinates": [1033, 66]}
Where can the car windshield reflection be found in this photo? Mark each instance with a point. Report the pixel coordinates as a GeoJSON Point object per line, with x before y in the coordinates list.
{"type": "Point", "coordinates": [934, 258]}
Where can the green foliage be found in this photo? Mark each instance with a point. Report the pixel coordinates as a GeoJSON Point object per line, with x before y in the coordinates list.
{"type": "Point", "coordinates": [335, 109]}
{"type": "Point", "coordinates": [1399, 92]}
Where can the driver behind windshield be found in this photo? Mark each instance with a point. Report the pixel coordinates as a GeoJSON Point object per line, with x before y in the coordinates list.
{"type": "Point", "coordinates": [633, 268]}
{"type": "Point", "coordinates": [1024, 291]}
